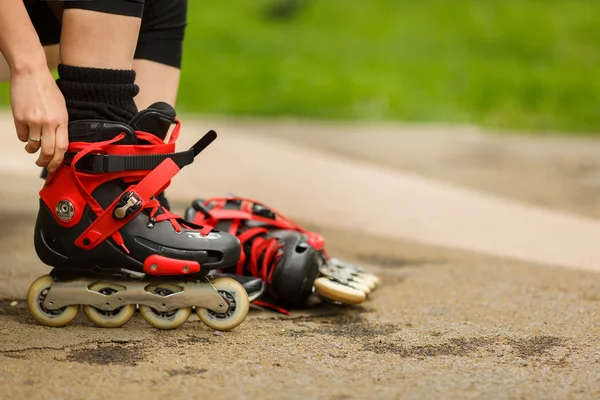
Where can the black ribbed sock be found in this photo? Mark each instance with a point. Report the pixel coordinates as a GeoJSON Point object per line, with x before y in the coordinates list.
{"type": "Point", "coordinates": [94, 93]}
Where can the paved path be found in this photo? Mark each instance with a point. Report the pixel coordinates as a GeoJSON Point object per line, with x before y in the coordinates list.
{"type": "Point", "coordinates": [490, 273]}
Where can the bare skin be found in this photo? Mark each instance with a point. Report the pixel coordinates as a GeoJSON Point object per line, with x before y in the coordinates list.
{"type": "Point", "coordinates": [151, 89]}
{"type": "Point", "coordinates": [38, 106]}
{"type": "Point", "coordinates": [98, 40]}
{"type": "Point", "coordinates": [52, 60]}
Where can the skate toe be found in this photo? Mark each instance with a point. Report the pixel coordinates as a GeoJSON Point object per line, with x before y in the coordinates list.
{"type": "Point", "coordinates": [228, 246]}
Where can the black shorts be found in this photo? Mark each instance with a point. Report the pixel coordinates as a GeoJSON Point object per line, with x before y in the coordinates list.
{"type": "Point", "coordinates": [161, 33]}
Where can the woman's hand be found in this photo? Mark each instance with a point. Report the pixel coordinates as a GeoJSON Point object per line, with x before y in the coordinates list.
{"type": "Point", "coordinates": [40, 116]}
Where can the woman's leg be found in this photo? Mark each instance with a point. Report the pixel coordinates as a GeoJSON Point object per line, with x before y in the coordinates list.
{"type": "Point", "coordinates": [96, 39]}
{"type": "Point", "coordinates": [97, 45]}
{"type": "Point", "coordinates": [152, 89]}
{"type": "Point", "coordinates": [159, 51]}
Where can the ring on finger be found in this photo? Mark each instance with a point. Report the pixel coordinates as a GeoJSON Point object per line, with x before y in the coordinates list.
{"type": "Point", "coordinates": [36, 140]}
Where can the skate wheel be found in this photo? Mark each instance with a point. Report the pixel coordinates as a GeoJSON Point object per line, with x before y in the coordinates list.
{"type": "Point", "coordinates": [375, 279]}
{"type": "Point", "coordinates": [239, 305]}
{"type": "Point", "coordinates": [108, 319]}
{"type": "Point", "coordinates": [35, 302]}
{"type": "Point", "coordinates": [367, 280]}
{"type": "Point", "coordinates": [165, 320]}
{"type": "Point", "coordinates": [338, 292]}
{"type": "Point", "coordinates": [356, 284]}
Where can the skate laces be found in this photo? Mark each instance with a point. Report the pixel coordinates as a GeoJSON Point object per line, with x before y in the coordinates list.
{"type": "Point", "coordinates": [159, 213]}
{"type": "Point", "coordinates": [263, 255]}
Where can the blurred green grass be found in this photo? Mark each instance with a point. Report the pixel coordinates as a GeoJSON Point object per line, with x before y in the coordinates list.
{"type": "Point", "coordinates": [519, 64]}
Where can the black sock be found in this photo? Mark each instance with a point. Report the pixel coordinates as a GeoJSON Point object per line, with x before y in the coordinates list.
{"type": "Point", "coordinates": [94, 93]}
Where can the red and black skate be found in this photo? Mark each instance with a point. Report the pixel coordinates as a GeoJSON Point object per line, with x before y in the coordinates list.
{"type": "Point", "coordinates": [291, 261]}
{"type": "Point", "coordinates": [113, 246]}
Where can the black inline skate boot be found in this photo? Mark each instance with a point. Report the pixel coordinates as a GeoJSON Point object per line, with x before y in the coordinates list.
{"type": "Point", "coordinates": [111, 243]}
{"type": "Point", "coordinates": [291, 261]}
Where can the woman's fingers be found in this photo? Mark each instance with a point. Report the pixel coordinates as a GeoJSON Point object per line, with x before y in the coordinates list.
{"type": "Point", "coordinates": [22, 131]}
{"type": "Point", "coordinates": [61, 143]}
{"type": "Point", "coordinates": [47, 148]}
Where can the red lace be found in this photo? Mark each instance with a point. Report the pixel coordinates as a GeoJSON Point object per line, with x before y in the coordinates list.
{"type": "Point", "coordinates": [261, 303]}
{"type": "Point", "coordinates": [270, 251]}
{"type": "Point", "coordinates": [167, 215]}
{"type": "Point", "coordinates": [268, 248]}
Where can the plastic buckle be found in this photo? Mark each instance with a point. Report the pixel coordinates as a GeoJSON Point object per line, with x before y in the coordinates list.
{"type": "Point", "coordinates": [90, 163]}
{"type": "Point", "coordinates": [129, 204]}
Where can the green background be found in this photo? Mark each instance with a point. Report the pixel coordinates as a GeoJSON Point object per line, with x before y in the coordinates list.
{"type": "Point", "coordinates": [527, 65]}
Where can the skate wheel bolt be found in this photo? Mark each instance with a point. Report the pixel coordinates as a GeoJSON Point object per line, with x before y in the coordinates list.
{"type": "Point", "coordinates": [154, 267]}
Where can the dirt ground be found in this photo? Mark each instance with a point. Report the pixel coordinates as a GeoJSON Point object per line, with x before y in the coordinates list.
{"type": "Point", "coordinates": [447, 322]}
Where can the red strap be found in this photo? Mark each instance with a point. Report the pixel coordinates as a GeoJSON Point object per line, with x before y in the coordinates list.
{"type": "Point", "coordinates": [244, 212]}
{"type": "Point", "coordinates": [106, 224]}
{"type": "Point", "coordinates": [261, 303]}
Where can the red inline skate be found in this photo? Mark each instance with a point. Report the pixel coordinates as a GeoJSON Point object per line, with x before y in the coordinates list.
{"type": "Point", "coordinates": [291, 261]}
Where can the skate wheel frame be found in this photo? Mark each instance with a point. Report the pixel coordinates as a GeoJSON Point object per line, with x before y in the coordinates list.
{"type": "Point", "coordinates": [222, 304]}
{"type": "Point", "coordinates": [182, 294]}
{"type": "Point", "coordinates": [352, 274]}
{"type": "Point", "coordinates": [336, 291]}
{"type": "Point", "coordinates": [236, 296]}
